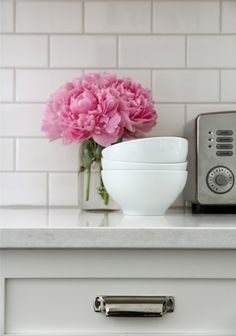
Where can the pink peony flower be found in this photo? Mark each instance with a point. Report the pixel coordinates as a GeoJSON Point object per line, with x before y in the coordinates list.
{"type": "Point", "coordinates": [101, 107]}
{"type": "Point", "coordinates": [140, 117]}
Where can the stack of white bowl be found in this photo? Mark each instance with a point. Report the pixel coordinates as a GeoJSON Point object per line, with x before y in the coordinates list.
{"type": "Point", "coordinates": [145, 176]}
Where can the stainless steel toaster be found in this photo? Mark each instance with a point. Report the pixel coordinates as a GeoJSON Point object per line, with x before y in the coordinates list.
{"type": "Point", "coordinates": [211, 185]}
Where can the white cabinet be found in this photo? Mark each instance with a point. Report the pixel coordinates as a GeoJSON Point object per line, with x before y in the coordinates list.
{"type": "Point", "coordinates": [51, 291]}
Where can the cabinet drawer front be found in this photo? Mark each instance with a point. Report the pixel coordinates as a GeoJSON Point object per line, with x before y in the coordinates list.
{"type": "Point", "coordinates": [65, 306]}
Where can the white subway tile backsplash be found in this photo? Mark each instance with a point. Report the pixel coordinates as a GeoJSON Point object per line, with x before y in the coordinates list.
{"type": "Point", "coordinates": [83, 51]}
{"type": "Point", "coordinates": [141, 76]}
{"type": "Point", "coordinates": [228, 16]}
{"type": "Point", "coordinates": [23, 189]}
{"type": "Point", "coordinates": [43, 155]}
{"type": "Point", "coordinates": [171, 120]}
{"type": "Point", "coordinates": [6, 85]}
{"type": "Point", "coordinates": [63, 189]}
{"type": "Point", "coordinates": [193, 110]}
{"type": "Point", "coordinates": [6, 16]}
{"type": "Point", "coordinates": [48, 16]}
{"type": "Point", "coordinates": [23, 51]}
{"type": "Point", "coordinates": [151, 51]}
{"type": "Point", "coordinates": [6, 154]}
{"type": "Point", "coordinates": [211, 51]}
{"type": "Point", "coordinates": [21, 119]}
{"type": "Point", "coordinates": [186, 86]}
{"type": "Point", "coordinates": [38, 85]}
{"type": "Point", "coordinates": [182, 50]}
{"type": "Point", "coordinates": [117, 16]}
{"type": "Point", "coordinates": [180, 17]}
{"type": "Point", "coordinates": [228, 85]}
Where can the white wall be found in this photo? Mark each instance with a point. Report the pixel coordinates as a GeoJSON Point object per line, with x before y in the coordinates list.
{"type": "Point", "coordinates": [184, 51]}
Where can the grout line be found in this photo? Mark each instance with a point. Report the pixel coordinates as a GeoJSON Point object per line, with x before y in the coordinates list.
{"type": "Point", "coordinates": [186, 52]}
{"type": "Point", "coordinates": [38, 207]}
{"type": "Point", "coordinates": [100, 34]}
{"type": "Point", "coordinates": [220, 18]}
{"type": "Point", "coordinates": [83, 16]}
{"type": "Point", "coordinates": [23, 102]}
{"type": "Point", "coordinates": [74, 172]}
{"type": "Point", "coordinates": [49, 50]}
{"type": "Point", "coordinates": [117, 51]}
{"type": "Point", "coordinates": [128, 68]}
{"type": "Point", "coordinates": [185, 114]}
{"type": "Point", "coordinates": [47, 188]}
{"type": "Point", "coordinates": [152, 84]}
{"type": "Point", "coordinates": [33, 137]}
{"type": "Point", "coordinates": [14, 154]}
{"type": "Point", "coordinates": [14, 85]}
{"type": "Point", "coordinates": [48, 215]}
{"type": "Point", "coordinates": [139, 0]}
{"type": "Point", "coordinates": [87, 68]}
{"type": "Point", "coordinates": [14, 16]}
{"type": "Point", "coordinates": [152, 16]}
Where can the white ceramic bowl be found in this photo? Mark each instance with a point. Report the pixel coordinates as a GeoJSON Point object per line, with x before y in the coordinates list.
{"type": "Point", "coordinates": [123, 165]}
{"type": "Point", "coordinates": [147, 192]}
{"type": "Point", "coordinates": [149, 150]}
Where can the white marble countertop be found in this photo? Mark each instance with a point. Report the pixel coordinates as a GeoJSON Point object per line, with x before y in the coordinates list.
{"type": "Point", "coordinates": [71, 228]}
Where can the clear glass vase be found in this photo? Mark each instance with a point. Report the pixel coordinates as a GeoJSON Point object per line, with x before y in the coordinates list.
{"type": "Point", "coordinates": [94, 201]}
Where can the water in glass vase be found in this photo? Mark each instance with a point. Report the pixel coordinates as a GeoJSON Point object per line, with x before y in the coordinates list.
{"type": "Point", "coordinates": [89, 195]}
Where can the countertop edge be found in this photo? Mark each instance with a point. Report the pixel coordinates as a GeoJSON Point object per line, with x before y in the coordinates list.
{"type": "Point", "coordinates": [118, 238]}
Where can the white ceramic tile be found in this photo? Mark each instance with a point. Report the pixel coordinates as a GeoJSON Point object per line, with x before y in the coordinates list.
{"type": "Point", "coordinates": [23, 51]}
{"type": "Point", "coordinates": [141, 76]}
{"type": "Point", "coordinates": [21, 119]}
{"type": "Point", "coordinates": [6, 85]}
{"type": "Point", "coordinates": [63, 189]}
{"type": "Point", "coordinates": [151, 51]}
{"type": "Point", "coordinates": [170, 122]}
{"type": "Point", "coordinates": [83, 51]}
{"type": "Point", "coordinates": [6, 154]}
{"type": "Point", "coordinates": [23, 189]}
{"type": "Point", "coordinates": [43, 155]}
{"type": "Point", "coordinates": [186, 17]}
{"type": "Point", "coordinates": [186, 86]}
{"type": "Point", "coordinates": [48, 16]}
{"type": "Point", "coordinates": [6, 16]}
{"type": "Point", "coordinates": [193, 110]}
{"type": "Point", "coordinates": [228, 85]}
{"type": "Point", "coordinates": [38, 85]}
{"type": "Point", "coordinates": [228, 16]}
{"type": "Point", "coordinates": [117, 16]}
{"type": "Point", "coordinates": [211, 51]}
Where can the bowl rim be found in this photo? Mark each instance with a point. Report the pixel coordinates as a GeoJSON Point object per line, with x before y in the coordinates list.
{"type": "Point", "coordinates": [147, 163]}
{"type": "Point", "coordinates": [145, 171]}
{"type": "Point", "coordinates": [148, 139]}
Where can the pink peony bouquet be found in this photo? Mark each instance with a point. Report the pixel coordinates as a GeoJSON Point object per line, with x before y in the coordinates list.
{"type": "Point", "coordinates": [98, 110]}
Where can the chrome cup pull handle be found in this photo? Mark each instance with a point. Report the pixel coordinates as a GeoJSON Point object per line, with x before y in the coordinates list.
{"type": "Point", "coordinates": [134, 306]}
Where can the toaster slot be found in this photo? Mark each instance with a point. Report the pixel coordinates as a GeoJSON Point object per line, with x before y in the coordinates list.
{"type": "Point", "coordinates": [224, 153]}
{"type": "Point", "coordinates": [224, 146]}
{"type": "Point", "coordinates": [224, 139]}
{"type": "Point", "coordinates": [224, 132]}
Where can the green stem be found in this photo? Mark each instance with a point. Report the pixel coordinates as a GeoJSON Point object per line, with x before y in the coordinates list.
{"type": "Point", "coordinates": [88, 182]}
{"type": "Point", "coordinates": [102, 190]}
{"type": "Point", "coordinates": [91, 153]}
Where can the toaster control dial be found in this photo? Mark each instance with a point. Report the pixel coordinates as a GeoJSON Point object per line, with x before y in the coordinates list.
{"type": "Point", "coordinates": [220, 180]}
